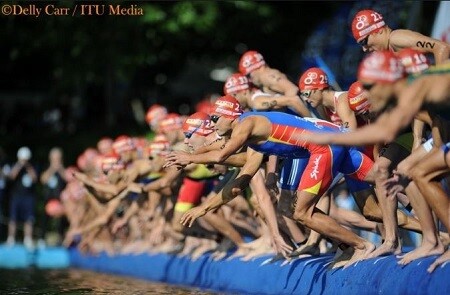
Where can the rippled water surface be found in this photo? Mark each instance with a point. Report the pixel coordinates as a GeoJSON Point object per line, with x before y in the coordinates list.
{"type": "Point", "coordinates": [75, 281]}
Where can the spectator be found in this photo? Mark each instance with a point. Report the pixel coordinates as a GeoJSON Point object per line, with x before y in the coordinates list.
{"type": "Point", "coordinates": [23, 177]}
{"type": "Point", "coordinates": [54, 180]}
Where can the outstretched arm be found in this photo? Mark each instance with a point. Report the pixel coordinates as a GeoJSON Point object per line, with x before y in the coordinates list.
{"type": "Point", "coordinates": [385, 127]}
{"type": "Point", "coordinates": [262, 103]}
{"type": "Point", "coordinates": [238, 138]}
{"type": "Point", "coordinates": [229, 192]}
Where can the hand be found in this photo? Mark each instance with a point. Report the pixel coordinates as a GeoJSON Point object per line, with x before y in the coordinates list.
{"type": "Point", "coordinates": [135, 187]}
{"type": "Point", "coordinates": [80, 176]}
{"type": "Point", "coordinates": [177, 159]}
{"type": "Point", "coordinates": [156, 236]}
{"type": "Point", "coordinates": [280, 246]}
{"type": "Point", "coordinates": [394, 185]}
{"type": "Point", "coordinates": [191, 215]}
{"type": "Point", "coordinates": [118, 224]}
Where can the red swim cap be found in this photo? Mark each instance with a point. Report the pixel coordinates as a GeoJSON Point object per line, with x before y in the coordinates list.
{"type": "Point", "coordinates": [357, 98]}
{"type": "Point", "coordinates": [251, 61]}
{"type": "Point", "coordinates": [122, 144]}
{"type": "Point", "coordinates": [228, 107]}
{"type": "Point", "coordinates": [54, 208]}
{"type": "Point", "coordinates": [111, 162]}
{"type": "Point", "coordinates": [155, 113]}
{"type": "Point", "coordinates": [157, 148]}
{"type": "Point", "coordinates": [366, 22]}
{"type": "Point", "coordinates": [380, 66]}
{"type": "Point", "coordinates": [236, 83]}
{"type": "Point", "coordinates": [198, 123]}
{"type": "Point", "coordinates": [413, 61]}
{"type": "Point", "coordinates": [171, 122]}
{"type": "Point", "coordinates": [313, 79]}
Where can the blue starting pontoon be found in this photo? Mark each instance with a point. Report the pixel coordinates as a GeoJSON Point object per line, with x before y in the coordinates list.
{"type": "Point", "coordinates": [309, 275]}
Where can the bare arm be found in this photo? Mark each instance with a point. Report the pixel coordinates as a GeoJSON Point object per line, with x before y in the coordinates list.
{"type": "Point", "coordinates": [45, 176]}
{"type": "Point", "coordinates": [240, 135]}
{"type": "Point", "coordinates": [267, 208]}
{"type": "Point", "coordinates": [279, 83]}
{"type": "Point", "coordinates": [229, 192]}
{"type": "Point", "coordinates": [262, 103]}
{"type": "Point", "coordinates": [406, 38]}
{"type": "Point", "coordinates": [417, 131]}
{"type": "Point", "coordinates": [165, 181]}
{"type": "Point", "coordinates": [344, 112]}
{"type": "Point", "coordinates": [385, 127]}
{"type": "Point", "coordinates": [108, 188]}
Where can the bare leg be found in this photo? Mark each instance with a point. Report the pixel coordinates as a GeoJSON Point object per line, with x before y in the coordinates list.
{"type": "Point", "coordinates": [12, 226]}
{"type": "Point", "coordinates": [351, 218]}
{"type": "Point", "coordinates": [284, 214]}
{"type": "Point", "coordinates": [312, 244]}
{"type": "Point", "coordinates": [223, 226]}
{"type": "Point", "coordinates": [306, 213]}
{"type": "Point", "coordinates": [28, 234]}
{"type": "Point", "coordinates": [424, 176]}
{"type": "Point", "coordinates": [431, 244]}
{"type": "Point", "coordinates": [388, 208]}
{"type": "Point", "coordinates": [206, 245]}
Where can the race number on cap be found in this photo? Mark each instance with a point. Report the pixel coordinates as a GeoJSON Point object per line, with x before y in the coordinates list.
{"type": "Point", "coordinates": [251, 61]}
{"type": "Point", "coordinates": [198, 123]}
{"type": "Point", "coordinates": [228, 106]}
{"type": "Point", "coordinates": [413, 61]}
{"type": "Point", "coordinates": [313, 79]}
{"type": "Point", "coordinates": [380, 66]}
{"type": "Point", "coordinates": [366, 22]}
{"type": "Point", "coordinates": [236, 83]}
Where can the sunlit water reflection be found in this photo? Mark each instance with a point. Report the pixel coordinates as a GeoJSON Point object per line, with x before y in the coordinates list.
{"type": "Point", "coordinates": [75, 281]}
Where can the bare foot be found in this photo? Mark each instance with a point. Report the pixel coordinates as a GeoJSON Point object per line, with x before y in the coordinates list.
{"type": "Point", "coordinates": [218, 255]}
{"type": "Point", "coordinates": [423, 250]}
{"type": "Point", "coordinates": [441, 260]}
{"type": "Point", "coordinates": [360, 254]}
{"type": "Point", "coordinates": [261, 251]}
{"type": "Point", "coordinates": [190, 244]}
{"type": "Point", "coordinates": [205, 246]}
{"type": "Point", "coordinates": [387, 248]}
{"type": "Point", "coordinates": [445, 238]}
{"type": "Point", "coordinates": [342, 257]}
{"type": "Point", "coordinates": [305, 249]}
{"type": "Point", "coordinates": [258, 242]}
{"type": "Point", "coordinates": [241, 251]}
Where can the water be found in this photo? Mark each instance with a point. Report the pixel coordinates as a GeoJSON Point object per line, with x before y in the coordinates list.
{"type": "Point", "coordinates": [76, 281]}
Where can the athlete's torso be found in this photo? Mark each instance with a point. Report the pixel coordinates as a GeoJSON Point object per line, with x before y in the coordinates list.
{"type": "Point", "coordinates": [283, 139]}
{"type": "Point", "coordinates": [334, 117]}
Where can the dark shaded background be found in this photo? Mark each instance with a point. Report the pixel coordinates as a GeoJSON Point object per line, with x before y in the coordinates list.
{"type": "Point", "coordinates": [67, 81]}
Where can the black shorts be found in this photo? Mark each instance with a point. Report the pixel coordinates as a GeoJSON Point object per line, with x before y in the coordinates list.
{"type": "Point", "coordinates": [227, 177]}
{"type": "Point", "coordinates": [395, 153]}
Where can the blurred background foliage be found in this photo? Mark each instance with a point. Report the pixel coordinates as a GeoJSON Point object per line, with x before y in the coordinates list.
{"type": "Point", "coordinates": [67, 81]}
